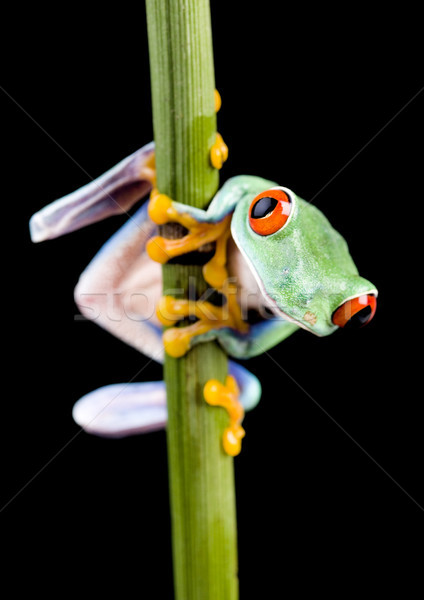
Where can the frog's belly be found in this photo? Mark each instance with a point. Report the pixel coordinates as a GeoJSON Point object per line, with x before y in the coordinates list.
{"type": "Point", "coordinates": [142, 297]}
{"type": "Point", "coordinates": [120, 293]}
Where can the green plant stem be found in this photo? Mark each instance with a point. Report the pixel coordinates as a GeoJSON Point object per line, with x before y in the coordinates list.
{"type": "Point", "coordinates": [201, 475]}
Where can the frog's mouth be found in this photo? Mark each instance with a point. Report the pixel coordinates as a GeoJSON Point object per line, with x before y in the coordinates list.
{"type": "Point", "coordinates": [272, 305]}
{"type": "Point", "coordinates": [282, 315]}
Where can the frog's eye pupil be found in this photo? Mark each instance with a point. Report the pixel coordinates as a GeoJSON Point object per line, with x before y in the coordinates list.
{"type": "Point", "coordinates": [269, 211]}
{"type": "Point", "coordinates": [263, 207]}
{"type": "Point", "coordinates": [359, 319]}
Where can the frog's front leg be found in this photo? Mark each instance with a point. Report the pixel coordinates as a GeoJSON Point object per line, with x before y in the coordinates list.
{"type": "Point", "coordinates": [170, 311]}
{"type": "Point", "coordinates": [203, 227]}
{"type": "Point", "coordinates": [164, 210]}
{"type": "Point", "coordinates": [257, 340]}
{"type": "Point", "coordinates": [201, 231]}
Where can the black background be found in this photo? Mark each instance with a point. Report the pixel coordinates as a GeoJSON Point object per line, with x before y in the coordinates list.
{"type": "Point", "coordinates": [304, 91]}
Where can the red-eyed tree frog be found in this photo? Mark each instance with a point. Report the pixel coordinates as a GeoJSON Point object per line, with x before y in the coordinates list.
{"type": "Point", "coordinates": [284, 261]}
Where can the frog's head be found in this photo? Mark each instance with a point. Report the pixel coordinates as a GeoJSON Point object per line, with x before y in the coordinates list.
{"type": "Point", "coordinates": [302, 265]}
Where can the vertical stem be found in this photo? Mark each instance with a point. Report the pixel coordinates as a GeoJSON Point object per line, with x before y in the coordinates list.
{"type": "Point", "coordinates": [201, 474]}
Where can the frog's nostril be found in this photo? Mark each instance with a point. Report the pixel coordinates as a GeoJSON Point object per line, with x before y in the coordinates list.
{"type": "Point", "coordinates": [356, 312]}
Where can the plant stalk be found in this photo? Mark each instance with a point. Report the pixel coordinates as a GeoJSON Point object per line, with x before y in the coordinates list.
{"type": "Point", "coordinates": [202, 494]}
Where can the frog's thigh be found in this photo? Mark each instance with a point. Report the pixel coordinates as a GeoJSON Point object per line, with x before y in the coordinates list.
{"type": "Point", "coordinates": [121, 286]}
{"type": "Point", "coordinates": [226, 199]}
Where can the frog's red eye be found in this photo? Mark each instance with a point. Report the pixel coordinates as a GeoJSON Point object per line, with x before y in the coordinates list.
{"type": "Point", "coordinates": [356, 312]}
{"type": "Point", "coordinates": [269, 212]}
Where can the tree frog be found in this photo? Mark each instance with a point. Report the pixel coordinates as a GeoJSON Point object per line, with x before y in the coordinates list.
{"type": "Point", "coordinates": [284, 262]}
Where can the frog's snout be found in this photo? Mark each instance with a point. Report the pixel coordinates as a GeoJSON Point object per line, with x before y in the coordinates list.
{"type": "Point", "coordinates": [355, 312]}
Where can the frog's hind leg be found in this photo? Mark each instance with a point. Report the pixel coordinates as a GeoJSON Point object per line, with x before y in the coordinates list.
{"type": "Point", "coordinates": [122, 409]}
{"type": "Point", "coordinates": [249, 385]}
{"type": "Point", "coordinates": [126, 409]}
{"type": "Point", "coordinates": [113, 193]}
